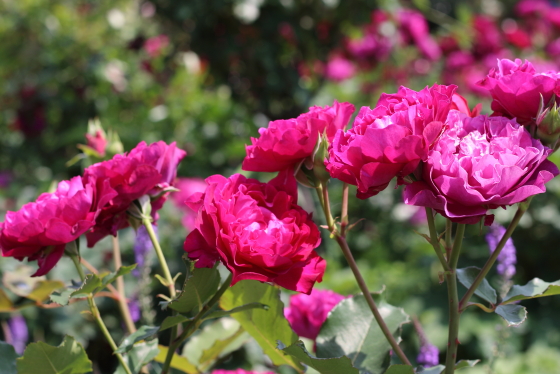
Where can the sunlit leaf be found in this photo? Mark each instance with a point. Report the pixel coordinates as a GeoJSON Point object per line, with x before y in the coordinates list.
{"type": "Point", "coordinates": [142, 333]}
{"type": "Point", "coordinates": [514, 315]}
{"type": "Point", "coordinates": [535, 288]}
{"type": "Point", "coordinates": [467, 276]}
{"type": "Point", "coordinates": [334, 365]}
{"type": "Point", "coordinates": [177, 362]}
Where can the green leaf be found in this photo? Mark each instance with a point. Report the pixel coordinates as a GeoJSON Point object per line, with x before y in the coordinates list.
{"type": "Point", "coordinates": [8, 357]}
{"type": "Point", "coordinates": [6, 304]}
{"type": "Point", "coordinates": [142, 333]}
{"type": "Point", "coordinates": [438, 369]}
{"type": "Point", "coordinates": [173, 321]}
{"type": "Point", "coordinates": [335, 365]}
{"type": "Point", "coordinates": [223, 313]}
{"type": "Point", "coordinates": [400, 369]}
{"type": "Point", "coordinates": [43, 289]}
{"type": "Point", "coordinates": [350, 330]}
{"type": "Point", "coordinates": [20, 281]}
{"type": "Point", "coordinates": [123, 270]}
{"type": "Point", "coordinates": [266, 326]}
{"type": "Point", "coordinates": [91, 285]}
{"type": "Point", "coordinates": [63, 297]}
{"type": "Point", "coordinates": [467, 276]}
{"type": "Point", "coordinates": [535, 288]}
{"type": "Point", "coordinates": [466, 364]}
{"type": "Point", "coordinates": [139, 355]}
{"type": "Point", "coordinates": [214, 341]}
{"type": "Point", "coordinates": [197, 290]}
{"type": "Point", "coordinates": [514, 315]}
{"type": "Point", "coordinates": [68, 358]}
{"type": "Point", "coordinates": [177, 362]}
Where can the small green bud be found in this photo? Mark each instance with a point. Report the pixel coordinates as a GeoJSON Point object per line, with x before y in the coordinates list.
{"type": "Point", "coordinates": [320, 153]}
{"type": "Point", "coordinates": [548, 125]}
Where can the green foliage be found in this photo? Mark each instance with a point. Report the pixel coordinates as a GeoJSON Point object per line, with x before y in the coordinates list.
{"type": "Point", "coordinates": [400, 369]}
{"type": "Point", "coordinates": [199, 286]}
{"type": "Point", "coordinates": [467, 276]}
{"type": "Point", "coordinates": [8, 357]}
{"type": "Point", "coordinates": [177, 362]}
{"type": "Point", "coordinates": [362, 340]}
{"type": "Point", "coordinates": [335, 365]}
{"type": "Point", "coordinates": [514, 315]}
{"type": "Point", "coordinates": [68, 358]}
{"type": "Point", "coordinates": [143, 333]}
{"type": "Point", "coordinates": [140, 354]}
{"type": "Point", "coordinates": [535, 288]}
{"type": "Point", "coordinates": [223, 313]}
{"type": "Point", "coordinates": [6, 304]}
{"type": "Point", "coordinates": [265, 326]}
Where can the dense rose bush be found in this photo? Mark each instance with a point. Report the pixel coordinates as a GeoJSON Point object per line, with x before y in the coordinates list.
{"type": "Point", "coordinates": [40, 230]}
{"type": "Point", "coordinates": [307, 313]}
{"type": "Point", "coordinates": [478, 164]}
{"type": "Point", "coordinates": [389, 140]}
{"type": "Point", "coordinates": [286, 143]}
{"type": "Point", "coordinates": [257, 231]}
{"type": "Point", "coordinates": [144, 170]}
{"type": "Point", "coordinates": [516, 89]}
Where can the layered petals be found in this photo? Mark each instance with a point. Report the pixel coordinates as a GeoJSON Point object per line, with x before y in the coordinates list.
{"type": "Point", "coordinates": [257, 231]}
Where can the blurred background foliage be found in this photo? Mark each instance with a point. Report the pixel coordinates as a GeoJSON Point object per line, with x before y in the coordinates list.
{"type": "Point", "coordinates": [208, 73]}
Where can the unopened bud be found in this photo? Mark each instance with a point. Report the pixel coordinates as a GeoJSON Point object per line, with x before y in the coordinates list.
{"type": "Point", "coordinates": [548, 125]}
{"type": "Point", "coordinates": [319, 155]}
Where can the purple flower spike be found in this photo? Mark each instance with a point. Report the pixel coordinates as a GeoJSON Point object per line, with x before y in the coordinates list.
{"type": "Point", "coordinates": [507, 257]}
{"type": "Point", "coordinates": [428, 356]}
{"type": "Point", "coordinates": [19, 332]}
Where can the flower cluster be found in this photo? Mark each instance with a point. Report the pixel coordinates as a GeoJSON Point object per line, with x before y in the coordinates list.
{"type": "Point", "coordinates": [507, 257]}
{"type": "Point", "coordinates": [94, 205]}
{"type": "Point", "coordinates": [257, 231]}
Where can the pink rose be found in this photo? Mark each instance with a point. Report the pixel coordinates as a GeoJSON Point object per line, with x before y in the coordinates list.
{"type": "Point", "coordinates": [144, 170]}
{"type": "Point", "coordinates": [516, 89]}
{"type": "Point", "coordinates": [97, 142]}
{"type": "Point", "coordinates": [478, 164]}
{"type": "Point", "coordinates": [286, 143]}
{"type": "Point", "coordinates": [239, 371]}
{"type": "Point", "coordinates": [40, 230]}
{"type": "Point", "coordinates": [187, 187]}
{"type": "Point", "coordinates": [307, 313]}
{"type": "Point", "coordinates": [389, 140]}
{"type": "Point", "coordinates": [257, 230]}
{"type": "Point", "coordinates": [339, 69]}
{"type": "Point", "coordinates": [414, 28]}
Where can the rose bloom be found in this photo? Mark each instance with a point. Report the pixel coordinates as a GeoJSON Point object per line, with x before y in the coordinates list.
{"type": "Point", "coordinates": [144, 170]}
{"type": "Point", "coordinates": [307, 313]}
{"type": "Point", "coordinates": [97, 142]}
{"type": "Point", "coordinates": [478, 164]}
{"type": "Point", "coordinates": [187, 187]}
{"type": "Point", "coordinates": [389, 140]}
{"type": "Point", "coordinates": [40, 230]}
{"type": "Point", "coordinates": [239, 371]}
{"type": "Point", "coordinates": [516, 89]}
{"type": "Point", "coordinates": [257, 231]}
{"type": "Point", "coordinates": [286, 143]}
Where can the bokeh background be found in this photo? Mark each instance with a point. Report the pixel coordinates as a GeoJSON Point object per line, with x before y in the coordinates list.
{"type": "Point", "coordinates": [208, 74]}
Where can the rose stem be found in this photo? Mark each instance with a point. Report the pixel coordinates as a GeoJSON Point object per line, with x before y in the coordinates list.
{"type": "Point", "coordinates": [448, 236]}
{"type": "Point", "coordinates": [341, 240]}
{"type": "Point", "coordinates": [123, 305]}
{"type": "Point", "coordinates": [435, 240]}
{"type": "Point", "coordinates": [453, 296]}
{"type": "Point", "coordinates": [97, 316]}
{"type": "Point", "coordinates": [344, 213]}
{"type": "Point", "coordinates": [193, 324]}
{"type": "Point", "coordinates": [521, 209]}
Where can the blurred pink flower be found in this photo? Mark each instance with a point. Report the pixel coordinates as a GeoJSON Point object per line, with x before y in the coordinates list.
{"type": "Point", "coordinates": [187, 187]}
{"type": "Point", "coordinates": [156, 44]}
{"type": "Point", "coordinates": [97, 142]}
{"type": "Point", "coordinates": [414, 29]}
{"type": "Point", "coordinates": [339, 68]}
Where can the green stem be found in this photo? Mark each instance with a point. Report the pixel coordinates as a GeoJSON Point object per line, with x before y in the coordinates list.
{"type": "Point", "coordinates": [435, 239]}
{"type": "Point", "coordinates": [453, 296]}
{"type": "Point", "coordinates": [147, 222]}
{"type": "Point", "coordinates": [344, 213]}
{"type": "Point", "coordinates": [521, 209]}
{"type": "Point", "coordinates": [193, 324]}
{"type": "Point", "coordinates": [448, 236]}
{"type": "Point", "coordinates": [123, 306]}
{"type": "Point", "coordinates": [341, 240]}
{"type": "Point", "coordinates": [97, 316]}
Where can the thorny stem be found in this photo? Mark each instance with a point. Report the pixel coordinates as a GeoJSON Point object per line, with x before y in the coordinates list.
{"type": "Point", "coordinates": [194, 324]}
{"type": "Point", "coordinates": [97, 316]}
{"type": "Point", "coordinates": [453, 296]}
{"type": "Point", "coordinates": [521, 209]}
{"type": "Point", "coordinates": [435, 239]}
{"type": "Point", "coordinates": [344, 213]}
{"type": "Point", "coordinates": [341, 240]}
{"type": "Point", "coordinates": [123, 305]}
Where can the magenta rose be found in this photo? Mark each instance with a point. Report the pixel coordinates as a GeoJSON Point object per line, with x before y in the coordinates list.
{"type": "Point", "coordinates": [40, 230]}
{"type": "Point", "coordinates": [478, 164]}
{"type": "Point", "coordinates": [390, 140]}
{"type": "Point", "coordinates": [286, 143]}
{"type": "Point", "coordinates": [144, 170]}
{"type": "Point", "coordinates": [307, 313]}
{"type": "Point", "coordinates": [187, 187]}
{"type": "Point", "coordinates": [257, 231]}
{"type": "Point", "coordinates": [516, 89]}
